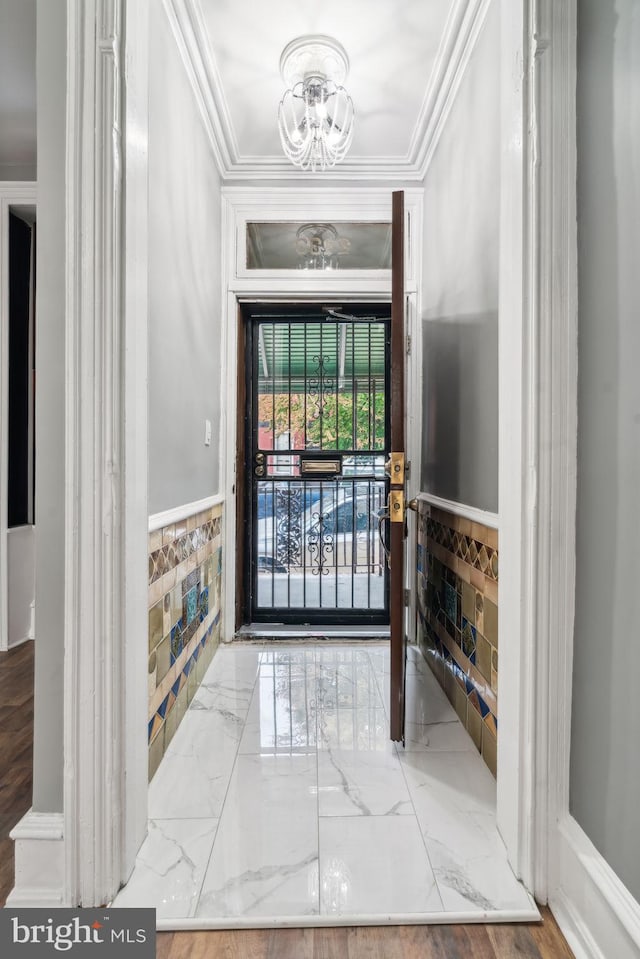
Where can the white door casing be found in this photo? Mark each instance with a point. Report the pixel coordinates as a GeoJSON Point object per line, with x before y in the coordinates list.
{"type": "Point", "coordinates": [242, 205]}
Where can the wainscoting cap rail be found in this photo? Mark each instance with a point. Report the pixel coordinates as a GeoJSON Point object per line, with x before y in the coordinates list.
{"type": "Point", "coordinates": [461, 509]}
{"type": "Point", "coordinates": [178, 513]}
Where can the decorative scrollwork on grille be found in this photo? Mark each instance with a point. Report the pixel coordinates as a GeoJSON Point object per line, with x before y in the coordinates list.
{"type": "Point", "coordinates": [320, 544]}
{"type": "Point", "coordinates": [288, 510]}
{"type": "Point", "coordinates": [320, 387]}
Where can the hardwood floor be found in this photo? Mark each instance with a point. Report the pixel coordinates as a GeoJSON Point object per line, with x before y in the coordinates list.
{"type": "Point", "coordinates": [519, 941]}
{"type": "Point", "coordinates": [16, 751]}
{"type": "Point", "coordinates": [522, 941]}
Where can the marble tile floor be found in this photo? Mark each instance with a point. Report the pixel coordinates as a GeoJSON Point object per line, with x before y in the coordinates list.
{"type": "Point", "coordinates": [281, 801]}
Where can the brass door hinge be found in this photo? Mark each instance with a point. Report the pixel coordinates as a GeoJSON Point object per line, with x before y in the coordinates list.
{"type": "Point", "coordinates": [396, 506]}
{"type": "Point", "coordinates": [394, 468]}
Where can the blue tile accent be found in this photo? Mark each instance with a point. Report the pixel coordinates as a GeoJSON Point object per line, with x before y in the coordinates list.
{"type": "Point", "coordinates": [162, 709]}
{"type": "Point", "coordinates": [484, 709]}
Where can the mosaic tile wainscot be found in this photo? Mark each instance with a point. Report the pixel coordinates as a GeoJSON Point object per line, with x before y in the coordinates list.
{"type": "Point", "coordinates": [457, 579]}
{"type": "Point", "coordinates": [185, 570]}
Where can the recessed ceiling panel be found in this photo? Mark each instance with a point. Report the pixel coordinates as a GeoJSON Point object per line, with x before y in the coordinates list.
{"type": "Point", "coordinates": [391, 45]}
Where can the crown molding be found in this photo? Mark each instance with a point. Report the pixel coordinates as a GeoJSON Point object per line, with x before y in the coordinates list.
{"type": "Point", "coordinates": [458, 41]}
{"type": "Point", "coordinates": [190, 33]}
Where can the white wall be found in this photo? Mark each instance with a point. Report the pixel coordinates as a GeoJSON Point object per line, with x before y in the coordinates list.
{"type": "Point", "coordinates": [460, 288]}
{"type": "Point", "coordinates": [21, 583]}
{"type": "Point", "coordinates": [605, 772]}
{"type": "Point", "coordinates": [17, 89]}
{"type": "Point", "coordinates": [184, 284]}
{"type": "Point", "coordinates": [50, 404]}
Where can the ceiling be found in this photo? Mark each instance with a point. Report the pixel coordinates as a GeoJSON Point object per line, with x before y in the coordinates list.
{"type": "Point", "coordinates": [391, 44]}
{"type": "Point", "coordinates": [403, 54]}
{"type": "Point", "coordinates": [403, 58]}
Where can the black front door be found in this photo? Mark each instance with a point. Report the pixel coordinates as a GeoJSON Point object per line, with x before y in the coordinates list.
{"type": "Point", "coordinates": [317, 441]}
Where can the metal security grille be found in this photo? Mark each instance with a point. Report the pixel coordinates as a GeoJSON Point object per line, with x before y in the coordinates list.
{"type": "Point", "coordinates": [318, 444]}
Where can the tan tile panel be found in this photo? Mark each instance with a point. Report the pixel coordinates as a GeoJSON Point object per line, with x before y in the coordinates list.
{"type": "Point", "coordinates": [491, 622]}
{"type": "Point", "coordinates": [483, 657]}
{"type": "Point", "coordinates": [155, 540]}
{"type": "Point", "coordinates": [156, 622]}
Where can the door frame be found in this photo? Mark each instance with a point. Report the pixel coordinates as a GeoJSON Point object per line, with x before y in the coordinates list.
{"type": "Point", "coordinates": [241, 205]}
{"type": "Point", "coordinates": [14, 193]}
{"type": "Point", "coordinates": [249, 316]}
{"type": "Point", "coordinates": [537, 432]}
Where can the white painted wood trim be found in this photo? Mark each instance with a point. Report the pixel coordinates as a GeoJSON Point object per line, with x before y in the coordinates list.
{"type": "Point", "coordinates": [413, 412]}
{"type": "Point", "coordinates": [39, 861]}
{"type": "Point", "coordinates": [538, 428]}
{"type": "Point", "coordinates": [39, 825]}
{"type": "Point", "coordinates": [553, 65]}
{"type": "Point", "coordinates": [134, 664]}
{"type": "Point", "coordinates": [11, 193]}
{"type": "Point", "coordinates": [517, 477]}
{"type": "Point", "coordinates": [461, 509]}
{"type": "Point", "coordinates": [596, 912]}
{"type": "Point", "coordinates": [340, 204]}
{"type": "Point", "coordinates": [178, 513]}
{"type": "Point", "coordinates": [104, 787]}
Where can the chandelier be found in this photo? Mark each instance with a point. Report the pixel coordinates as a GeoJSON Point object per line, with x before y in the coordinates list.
{"type": "Point", "coordinates": [315, 116]}
{"type": "Point", "coordinates": [319, 246]}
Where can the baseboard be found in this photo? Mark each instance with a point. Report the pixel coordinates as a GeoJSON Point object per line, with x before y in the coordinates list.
{"type": "Point", "coordinates": [20, 642]}
{"type": "Point", "coordinates": [596, 912]}
{"type": "Point", "coordinates": [39, 861]}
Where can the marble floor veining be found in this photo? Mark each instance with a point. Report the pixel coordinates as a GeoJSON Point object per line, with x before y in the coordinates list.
{"type": "Point", "coordinates": [281, 801]}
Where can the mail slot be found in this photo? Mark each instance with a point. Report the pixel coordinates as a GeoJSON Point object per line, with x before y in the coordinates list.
{"type": "Point", "coordinates": [320, 467]}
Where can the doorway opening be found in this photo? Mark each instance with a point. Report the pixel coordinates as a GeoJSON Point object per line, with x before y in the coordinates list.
{"type": "Point", "coordinates": [315, 424]}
